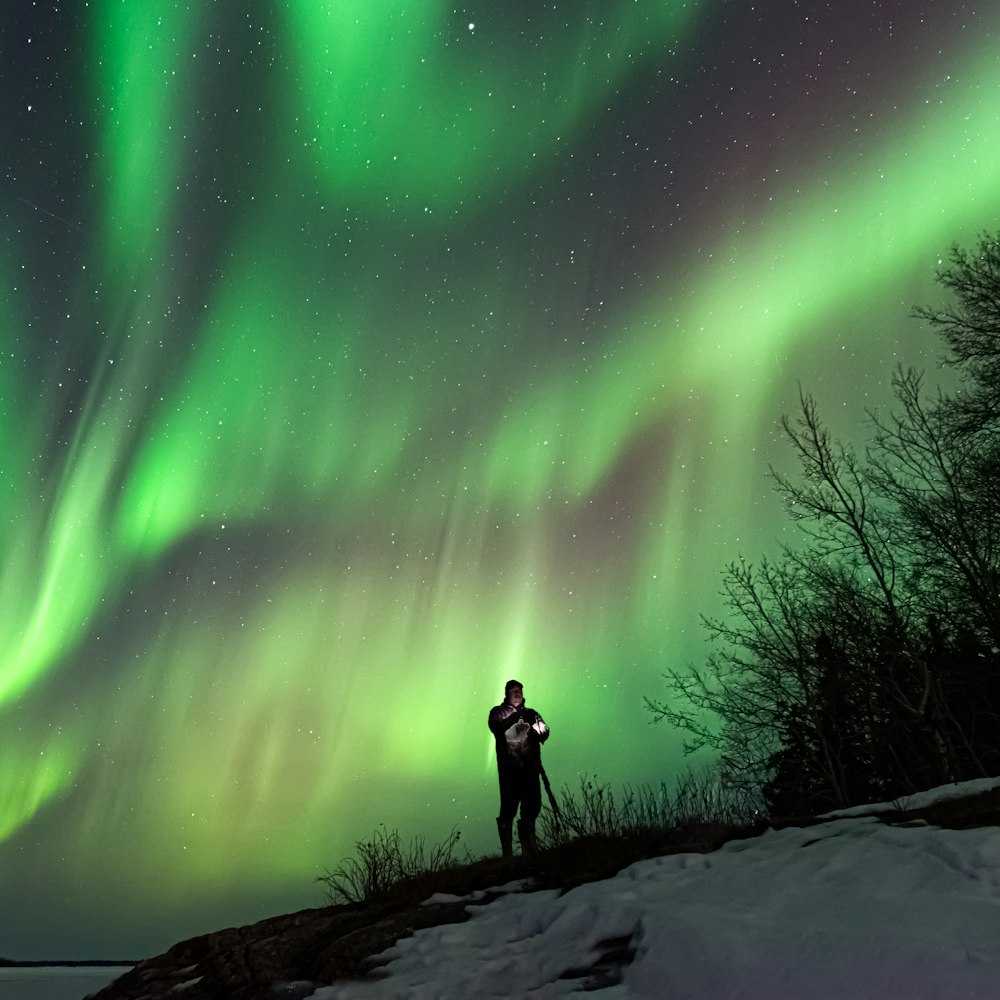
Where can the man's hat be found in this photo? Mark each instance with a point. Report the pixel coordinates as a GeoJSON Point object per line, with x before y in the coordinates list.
{"type": "Point", "coordinates": [512, 684]}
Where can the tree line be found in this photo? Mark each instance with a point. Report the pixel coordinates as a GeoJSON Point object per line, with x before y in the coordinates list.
{"type": "Point", "coordinates": [863, 662]}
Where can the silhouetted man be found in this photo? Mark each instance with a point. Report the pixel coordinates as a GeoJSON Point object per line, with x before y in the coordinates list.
{"type": "Point", "coordinates": [519, 732]}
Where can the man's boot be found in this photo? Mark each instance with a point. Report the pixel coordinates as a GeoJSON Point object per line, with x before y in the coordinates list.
{"type": "Point", "coordinates": [506, 839]}
{"type": "Point", "coordinates": [526, 835]}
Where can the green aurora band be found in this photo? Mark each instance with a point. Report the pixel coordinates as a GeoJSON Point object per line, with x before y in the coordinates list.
{"type": "Point", "coordinates": [307, 495]}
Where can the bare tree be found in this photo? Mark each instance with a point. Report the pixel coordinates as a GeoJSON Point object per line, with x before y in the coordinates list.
{"type": "Point", "coordinates": [867, 661]}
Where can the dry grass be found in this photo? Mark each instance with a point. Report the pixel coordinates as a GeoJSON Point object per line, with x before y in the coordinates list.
{"type": "Point", "coordinates": [594, 834]}
{"type": "Point", "coordinates": [641, 811]}
{"type": "Point", "coordinates": [383, 862]}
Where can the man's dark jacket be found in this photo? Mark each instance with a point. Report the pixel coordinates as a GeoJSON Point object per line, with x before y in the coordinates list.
{"type": "Point", "coordinates": [502, 717]}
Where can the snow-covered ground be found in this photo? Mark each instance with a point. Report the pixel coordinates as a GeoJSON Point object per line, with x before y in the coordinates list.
{"type": "Point", "coordinates": [850, 909]}
{"type": "Point", "coordinates": [847, 910]}
{"type": "Point", "coordinates": [55, 982]}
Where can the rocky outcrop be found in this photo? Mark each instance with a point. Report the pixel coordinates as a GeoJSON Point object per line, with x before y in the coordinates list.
{"type": "Point", "coordinates": [286, 956]}
{"type": "Point", "coordinates": [290, 956]}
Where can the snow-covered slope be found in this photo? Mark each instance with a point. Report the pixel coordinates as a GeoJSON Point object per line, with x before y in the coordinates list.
{"type": "Point", "coordinates": [851, 909]}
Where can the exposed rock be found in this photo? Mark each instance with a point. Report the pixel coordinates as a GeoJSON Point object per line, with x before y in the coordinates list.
{"type": "Point", "coordinates": [289, 956]}
{"type": "Point", "coordinates": [305, 948]}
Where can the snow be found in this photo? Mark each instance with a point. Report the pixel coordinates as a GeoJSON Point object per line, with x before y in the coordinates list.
{"type": "Point", "coordinates": [850, 909]}
{"type": "Point", "coordinates": [920, 800]}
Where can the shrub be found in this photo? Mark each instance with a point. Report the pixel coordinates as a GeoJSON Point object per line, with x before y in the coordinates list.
{"type": "Point", "coordinates": [382, 863]}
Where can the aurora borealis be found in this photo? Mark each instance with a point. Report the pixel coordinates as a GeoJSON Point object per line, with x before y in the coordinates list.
{"type": "Point", "coordinates": [356, 357]}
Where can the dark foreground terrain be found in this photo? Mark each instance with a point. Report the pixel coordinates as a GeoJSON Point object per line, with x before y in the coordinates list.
{"type": "Point", "coordinates": [290, 956]}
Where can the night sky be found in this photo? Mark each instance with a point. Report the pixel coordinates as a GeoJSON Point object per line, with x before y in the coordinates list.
{"type": "Point", "coordinates": [356, 357]}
